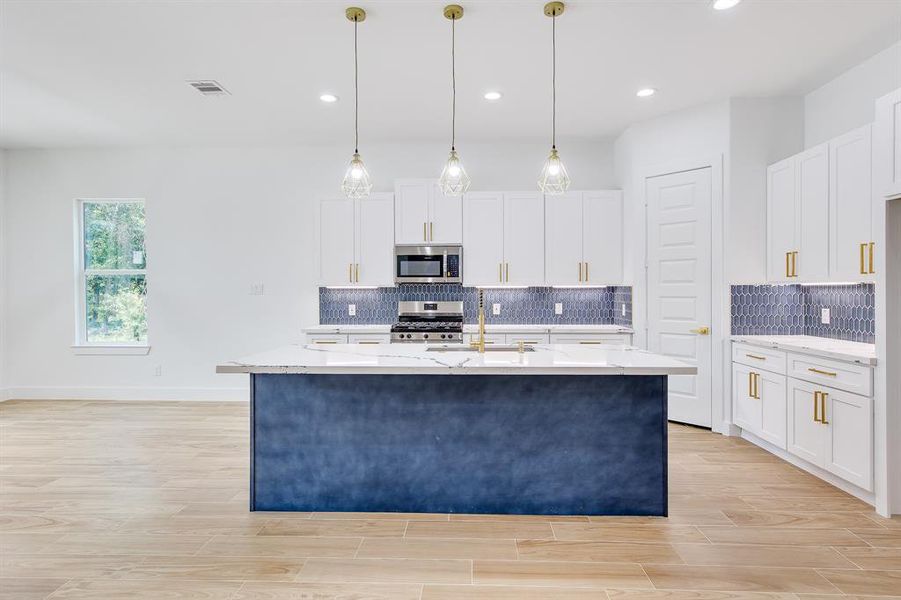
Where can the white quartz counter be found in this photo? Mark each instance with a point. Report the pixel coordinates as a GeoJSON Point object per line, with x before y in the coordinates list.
{"type": "Point", "coordinates": [473, 328]}
{"type": "Point", "coordinates": [416, 359]}
{"type": "Point", "coordinates": [807, 344]}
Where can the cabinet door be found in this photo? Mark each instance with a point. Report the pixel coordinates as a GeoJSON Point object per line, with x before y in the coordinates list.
{"type": "Point", "coordinates": [602, 237]}
{"type": "Point", "coordinates": [375, 240]}
{"type": "Point", "coordinates": [369, 338]}
{"type": "Point", "coordinates": [483, 238]}
{"type": "Point", "coordinates": [780, 217]}
{"type": "Point", "coordinates": [887, 138]}
{"type": "Point", "coordinates": [524, 238]}
{"type": "Point", "coordinates": [851, 206]}
{"type": "Point", "coordinates": [411, 211]}
{"type": "Point", "coordinates": [563, 239]}
{"type": "Point", "coordinates": [773, 417]}
{"type": "Point", "coordinates": [806, 437]}
{"type": "Point", "coordinates": [812, 177]}
{"type": "Point", "coordinates": [849, 447]}
{"type": "Point", "coordinates": [336, 242]}
{"type": "Point", "coordinates": [746, 411]}
{"type": "Point", "coordinates": [445, 217]}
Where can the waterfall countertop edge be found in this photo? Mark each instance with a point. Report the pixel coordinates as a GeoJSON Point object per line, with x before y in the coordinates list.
{"type": "Point", "coordinates": [399, 359]}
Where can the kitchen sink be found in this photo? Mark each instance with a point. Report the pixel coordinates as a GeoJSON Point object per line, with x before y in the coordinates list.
{"type": "Point", "coordinates": [505, 348]}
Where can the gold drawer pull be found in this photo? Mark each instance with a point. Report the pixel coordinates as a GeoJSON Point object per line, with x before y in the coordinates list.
{"type": "Point", "coordinates": [818, 371]}
{"type": "Point", "coordinates": [587, 342]}
{"type": "Point", "coordinates": [325, 342]}
{"type": "Point", "coordinates": [755, 357]}
{"type": "Point", "coordinates": [368, 342]}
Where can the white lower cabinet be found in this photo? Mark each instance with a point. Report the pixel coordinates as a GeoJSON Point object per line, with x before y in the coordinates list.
{"type": "Point", "coordinates": [825, 426]}
{"type": "Point", "coordinates": [592, 339]}
{"type": "Point", "coordinates": [369, 338]}
{"type": "Point", "coordinates": [326, 338]}
{"type": "Point", "coordinates": [529, 339]}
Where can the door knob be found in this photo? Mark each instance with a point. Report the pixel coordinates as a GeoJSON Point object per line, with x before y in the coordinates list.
{"type": "Point", "coordinates": [701, 331]}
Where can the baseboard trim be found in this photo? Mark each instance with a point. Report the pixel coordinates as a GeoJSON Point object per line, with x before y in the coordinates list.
{"type": "Point", "coordinates": [850, 488]}
{"type": "Point", "coordinates": [229, 394]}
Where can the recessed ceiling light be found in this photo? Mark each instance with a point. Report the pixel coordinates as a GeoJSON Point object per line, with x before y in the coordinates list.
{"type": "Point", "coordinates": [328, 98]}
{"type": "Point", "coordinates": [645, 92]}
{"type": "Point", "coordinates": [724, 4]}
{"type": "Point", "coordinates": [493, 96]}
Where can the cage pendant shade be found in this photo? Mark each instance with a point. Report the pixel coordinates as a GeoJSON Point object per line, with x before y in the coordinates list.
{"type": "Point", "coordinates": [356, 183]}
{"type": "Point", "coordinates": [554, 178]}
{"type": "Point", "coordinates": [454, 181]}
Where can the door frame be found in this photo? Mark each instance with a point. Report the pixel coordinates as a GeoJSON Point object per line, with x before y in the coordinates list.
{"type": "Point", "coordinates": [720, 302]}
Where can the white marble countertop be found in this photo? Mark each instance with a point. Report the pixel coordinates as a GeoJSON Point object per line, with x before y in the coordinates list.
{"type": "Point", "coordinates": [807, 344]}
{"type": "Point", "coordinates": [416, 359]}
{"type": "Point", "coordinates": [473, 328]}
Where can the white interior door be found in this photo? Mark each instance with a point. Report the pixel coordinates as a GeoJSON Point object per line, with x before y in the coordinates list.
{"type": "Point", "coordinates": [602, 237]}
{"type": "Point", "coordinates": [563, 239]}
{"type": "Point", "coordinates": [524, 238]}
{"type": "Point", "coordinates": [375, 240]}
{"type": "Point", "coordinates": [483, 238]}
{"type": "Point", "coordinates": [336, 242]}
{"type": "Point", "coordinates": [679, 286]}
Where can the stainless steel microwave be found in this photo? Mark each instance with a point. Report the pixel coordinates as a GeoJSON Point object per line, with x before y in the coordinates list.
{"type": "Point", "coordinates": [423, 263]}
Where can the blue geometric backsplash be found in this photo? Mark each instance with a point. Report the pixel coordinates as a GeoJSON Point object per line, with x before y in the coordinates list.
{"type": "Point", "coordinates": [795, 310]}
{"type": "Point", "coordinates": [534, 305]}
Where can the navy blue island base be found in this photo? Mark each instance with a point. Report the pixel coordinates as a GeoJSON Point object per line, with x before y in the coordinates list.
{"type": "Point", "coordinates": [500, 444]}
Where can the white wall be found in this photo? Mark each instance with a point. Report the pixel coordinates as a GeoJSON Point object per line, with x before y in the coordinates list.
{"type": "Point", "coordinates": [847, 102]}
{"type": "Point", "coordinates": [218, 220]}
{"type": "Point", "coordinates": [3, 254]}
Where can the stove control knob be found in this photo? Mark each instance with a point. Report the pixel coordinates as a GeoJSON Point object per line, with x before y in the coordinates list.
{"type": "Point", "coordinates": [425, 336]}
{"type": "Point", "coordinates": [443, 336]}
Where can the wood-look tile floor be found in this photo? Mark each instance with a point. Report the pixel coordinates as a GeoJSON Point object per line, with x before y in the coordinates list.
{"type": "Point", "coordinates": [149, 500]}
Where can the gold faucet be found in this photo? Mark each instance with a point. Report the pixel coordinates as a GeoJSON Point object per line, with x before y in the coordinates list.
{"type": "Point", "coordinates": [481, 343]}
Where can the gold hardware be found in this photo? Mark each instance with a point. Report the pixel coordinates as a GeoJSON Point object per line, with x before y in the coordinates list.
{"type": "Point", "coordinates": [431, 231]}
{"type": "Point", "coordinates": [580, 272]}
{"type": "Point", "coordinates": [425, 235]}
{"type": "Point", "coordinates": [357, 15]}
{"type": "Point", "coordinates": [795, 263]}
{"type": "Point", "coordinates": [367, 342]}
{"type": "Point", "coordinates": [507, 277]}
{"type": "Point", "coordinates": [701, 331]}
{"type": "Point", "coordinates": [453, 12]}
{"type": "Point", "coordinates": [500, 272]}
{"type": "Point", "coordinates": [325, 342]}
{"type": "Point", "coordinates": [553, 9]}
{"type": "Point", "coordinates": [863, 260]}
{"type": "Point", "coordinates": [590, 343]}
{"type": "Point", "coordinates": [788, 272]}
{"type": "Point", "coordinates": [823, 408]}
{"type": "Point", "coordinates": [816, 407]}
{"type": "Point", "coordinates": [750, 384]}
{"type": "Point", "coordinates": [755, 357]}
{"type": "Point", "coordinates": [872, 257]}
{"type": "Point", "coordinates": [481, 343]}
{"type": "Point", "coordinates": [827, 373]}
{"type": "Point", "coordinates": [350, 272]}
{"type": "Point", "coordinates": [586, 273]}
{"type": "Point", "coordinates": [358, 273]}
{"type": "Point", "coordinates": [522, 347]}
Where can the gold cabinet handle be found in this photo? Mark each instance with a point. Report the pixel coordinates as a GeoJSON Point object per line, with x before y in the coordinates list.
{"type": "Point", "coordinates": [325, 342]}
{"type": "Point", "coordinates": [872, 257]}
{"type": "Point", "coordinates": [757, 386]}
{"type": "Point", "coordinates": [350, 272]}
{"type": "Point", "coordinates": [863, 260]}
{"type": "Point", "coordinates": [507, 277]}
{"type": "Point", "coordinates": [823, 408]}
{"type": "Point", "coordinates": [750, 384]}
{"type": "Point", "coordinates": [795, 263]}
{"type": "Point", "coordinates": [358, 273]}
{"type": "Point", "coordinates": [587, 278]}
{"type": "Point", "coordinates": [755, 357]}
{"type": "Point", "coordinates": [590, 343]}
{"type": "Point", "coordinates": [816, 407]}
{"type": "Point", "coordinates": [368, 342]}
{"type": "Point", "coordinates": [500, 272]}
{"type": "Point", "coordinates": [818, 371]}
{"type": "Point", "coordinates": [425, 235]}
{"type": "Point", "coordinates": [788, 270]}
{"type": "Point", "coordinates": [431, 230]}
{"type": "Point", "coordinates": [701, 331]}
{"type": "Point", "coordinates": [580, 272]}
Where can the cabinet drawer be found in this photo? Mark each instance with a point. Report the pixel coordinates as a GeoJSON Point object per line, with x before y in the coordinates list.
{"type": "Point", "coordinates": [326, 338]}
{"type": "Point", "coordinates": [527, 338]}
{"type": "Point", "coordinates": [857, 379]}
{"type": "Point", "coordinates": [765, 359]}
{"type": "Point", "coordinates": [495, 339]}
{"type": "Point", "coordinates": [591, 339]}
{"type": "Point", "coordinates": [369, 338]}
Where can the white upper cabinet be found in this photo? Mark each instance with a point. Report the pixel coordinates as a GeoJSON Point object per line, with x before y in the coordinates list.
{"type": "Point", "coordinates": [781, 220]}
{"type": "Point", "coordinates": [811, 262]}
{"type": "Point", "coordinates": [563, 239]}
{"type": "Point", "coordinates": [524, 238]}
{"type": "Point", "coordinates": [887, 138]}
{"type": "Point", "coordinates": [356, 239]}
{"type": "Point", "coordinates": [602, 237]}
{"type": "Point", "coordinates": [851, 206]}
{"type": "Point", "coordinates": [422, 214]}
{"type": "Point", "coordinates": [483, 238]}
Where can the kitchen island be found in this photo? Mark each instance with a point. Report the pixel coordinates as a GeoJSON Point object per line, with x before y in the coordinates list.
{"type": "Point", "coordinates": [557, 429]}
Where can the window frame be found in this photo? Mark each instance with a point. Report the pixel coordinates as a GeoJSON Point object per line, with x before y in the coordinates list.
{"type": "Point", "coordinates": [81, 344]}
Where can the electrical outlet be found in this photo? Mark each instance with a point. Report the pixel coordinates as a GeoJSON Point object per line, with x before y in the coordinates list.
{"type": "Point", "coordinates": [824, 316]}
{"type": "Point", "coordinates": [256, 289]}
{"type": "Point", "coordinates": [158, 370]}
{"type": "Point", "coordinates": [624, 309]}
{"type": "Point", "coordinates": [496, 309]}
{"type": "Point", "coordinates": [558, 308]}
{"type": "Point", "coordinates": [352, 310]}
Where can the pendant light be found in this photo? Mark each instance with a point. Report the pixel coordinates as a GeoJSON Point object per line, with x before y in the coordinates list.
{"type": "Point", "coordinates": [356, 183]}
{"type": "Point", "coordinates": [554, 178]}
{"type": "Point", "coordinates": [453, 181]}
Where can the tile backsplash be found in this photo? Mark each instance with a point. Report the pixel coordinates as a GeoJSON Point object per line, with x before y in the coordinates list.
{"type": "Point", "coordinates": [534, 305]}
{"type": "Point", "coordinates": [796, 310]}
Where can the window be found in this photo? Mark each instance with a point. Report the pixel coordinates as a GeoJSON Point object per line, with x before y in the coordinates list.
{"type": "Point", "coordinates": [112, 273]}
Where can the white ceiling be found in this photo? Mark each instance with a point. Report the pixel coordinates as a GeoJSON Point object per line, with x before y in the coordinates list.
{"type": "Point", "coordinates": [110, 73]}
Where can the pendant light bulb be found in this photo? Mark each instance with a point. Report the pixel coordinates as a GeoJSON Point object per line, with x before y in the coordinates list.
{"type": "Point", "coordinates": [554, 178]}
{"type": "Point", "coordinates": [454, 180]}
{"type": "Point", "coordinates": [356, 183]}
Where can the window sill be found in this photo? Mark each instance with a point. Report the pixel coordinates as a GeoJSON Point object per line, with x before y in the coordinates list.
{"type": "Point", "coordinates": [90, 350]}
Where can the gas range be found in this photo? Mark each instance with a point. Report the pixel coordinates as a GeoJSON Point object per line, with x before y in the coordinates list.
{"type": "Point", "coordinates": [428, 322]}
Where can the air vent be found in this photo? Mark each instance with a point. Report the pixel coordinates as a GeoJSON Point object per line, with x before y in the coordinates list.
{"type": "Point", "coordinates": [208, 87]}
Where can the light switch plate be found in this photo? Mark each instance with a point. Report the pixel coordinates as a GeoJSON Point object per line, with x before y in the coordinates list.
{"type": "Point", "coordinates": [496, 309]}
{"type": "Point", "coordinates": [558, 308]}
{"type": "Point", "coordinates": [352, 310]}
{"type": "Point", "coordinates": [824, 316]}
